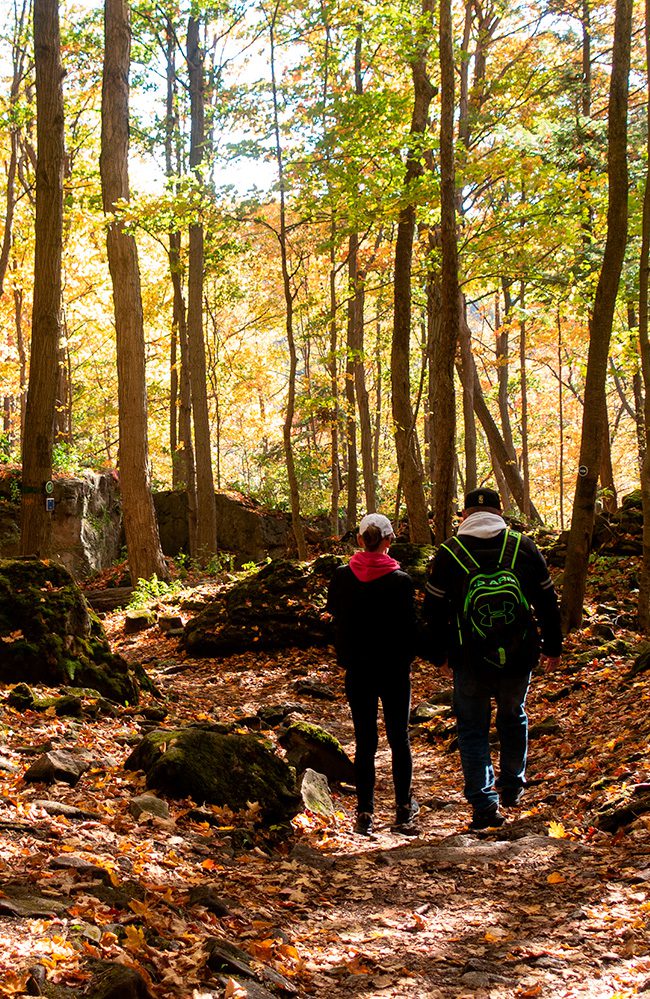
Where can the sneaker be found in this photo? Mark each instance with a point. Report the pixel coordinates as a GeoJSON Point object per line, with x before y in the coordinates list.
{"type": "Point", "coordinates": [363, 825]}
{"type": "Point", "coordinates": [511, 796]}
{"type": "Point", "coordinates": [487, 818]}
{"type": "Point", "coordinates": [404, 816]}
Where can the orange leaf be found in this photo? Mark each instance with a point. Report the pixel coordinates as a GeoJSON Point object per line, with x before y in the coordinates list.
{"type": "Point", "coordinates": [556, 878]}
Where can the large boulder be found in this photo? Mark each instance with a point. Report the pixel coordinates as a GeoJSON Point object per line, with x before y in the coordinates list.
{"type": "Point", "coordinates": [246, 528]}
{"type": "Point", "coordinates": [280, 605]}
{"type": "Point", "coordinates": [233, 770]}
{"type": "Point", "coordinates": [85, 523]}
{"type": "Point", "coordinates": [310, 747]}
{"type": "Point", "coordinates": [49, 635]}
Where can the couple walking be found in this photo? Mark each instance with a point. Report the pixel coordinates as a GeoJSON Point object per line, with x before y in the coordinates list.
{"type": "Point", "coordinates": [491, 615]}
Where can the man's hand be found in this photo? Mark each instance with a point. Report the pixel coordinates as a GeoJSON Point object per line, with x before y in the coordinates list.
{"type": "Point", "coordinates": [550, 663]}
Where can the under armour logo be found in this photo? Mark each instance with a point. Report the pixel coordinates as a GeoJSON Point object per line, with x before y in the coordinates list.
{"type": "Point", "coordinates": [504, 614]}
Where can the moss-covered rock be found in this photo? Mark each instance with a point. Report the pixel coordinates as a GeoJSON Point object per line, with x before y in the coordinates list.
{"type": "Point", "coordinates": [413, 559]}
{"type": "Point", "coordinates": [309, 746]}
{"type": "Point", "coordinates": [207, 766]}
{"type": "Point", "coordinates": [281, 605]}
{"type": "Point", "coordinates": [50, 636]}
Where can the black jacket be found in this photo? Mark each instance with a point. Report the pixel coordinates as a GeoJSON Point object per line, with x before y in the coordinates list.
{"type": "Point", "coordinates": [374, 623]}
{"type": "Point", "coordinates": [444, 596]}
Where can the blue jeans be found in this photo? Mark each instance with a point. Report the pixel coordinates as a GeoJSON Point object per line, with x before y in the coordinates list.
{"type": "Point", "coordinates": [473, 695]}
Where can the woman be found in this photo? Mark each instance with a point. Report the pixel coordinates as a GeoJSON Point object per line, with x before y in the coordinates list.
{"type": "Point", "coordinates": [371, 601]}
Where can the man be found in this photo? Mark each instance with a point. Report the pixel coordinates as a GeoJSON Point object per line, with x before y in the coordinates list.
{"type": "Point", "coordinates": [372, 603]}
{"type": "Point", "coordinates": [482, 589]}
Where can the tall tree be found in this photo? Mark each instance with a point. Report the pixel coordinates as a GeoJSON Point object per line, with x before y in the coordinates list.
{"type": "Point", "coordinates": [140, 525]}
{"type": "Point", "coordinates": [406, 440]}
{"type": "Point", "coordinates": [644, 342]}
{"type": "Point", "coordinates": [206, 512]}
{"type": "Point", "coordinates": [287, 428]}
{"type": "Point", "coordinates": [594, 420]}
{"type": "Point", "coordinates": [444, 396]}
{"type": "Point", "coordinates": [46, 312]}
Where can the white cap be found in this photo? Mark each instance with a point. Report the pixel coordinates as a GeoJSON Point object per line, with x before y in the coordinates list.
{"type": "Point", "coordinates": [377, 520]}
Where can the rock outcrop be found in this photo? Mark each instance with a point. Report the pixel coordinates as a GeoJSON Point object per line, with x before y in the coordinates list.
{"type": "Point", "coordinates": [48, 634]}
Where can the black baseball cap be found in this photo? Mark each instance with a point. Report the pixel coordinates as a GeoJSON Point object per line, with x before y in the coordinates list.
{"type": "Point", "coordinates": [483, 497]}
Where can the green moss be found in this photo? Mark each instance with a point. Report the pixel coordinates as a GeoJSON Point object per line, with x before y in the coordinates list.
{"type": "Point", "coordinates": [228, 770]}
{"type": "Point", "coordinates": [316, 733]}
{"type": "Point", "coordinates": [57, 641]}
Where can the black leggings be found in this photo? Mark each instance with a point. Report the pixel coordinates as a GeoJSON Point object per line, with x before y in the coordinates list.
{"type": "Point", "coordinates": [364, 692]}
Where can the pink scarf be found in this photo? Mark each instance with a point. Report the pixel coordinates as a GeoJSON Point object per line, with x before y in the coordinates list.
{"type": "Point", "coordinates": [367, 566]}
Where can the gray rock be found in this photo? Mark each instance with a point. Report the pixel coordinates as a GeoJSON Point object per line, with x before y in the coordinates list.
{"type": "Point", "coordinates": [273, 714]}
{"type": "Point", "coordinates": [170, 622]}
{"type": "Point", "coordinates": [148, 804]}
{"type": "Point", "coordinates": [426, 711]}
{"type": "Point", "coordinates": [311, 747]}
{"type": "Point", "coordinates": [22, 901]}
{"type": "Point", "coordinates": [219, 769]}
{"type": "Point", "coordinates": [314, 688]}
{"type": "Point", "coordinates": [50, 637]}
{"type": "Point", "coordinates": [85, 524]}
{"type": "Point", "coordinates": [70, 862]}
{"type": "Point", "coordinates": [138, 620]}
{"type": "Point", "coordinates": [59, 764]}
{"type": "Point", "coordinates": [116, 981]}
{"type": "Point", "coordinates": [209, 897]}
{"type": "Point", "coordinates": [315, 792]}
{"type": "Point", "coordinates": [69, 811]}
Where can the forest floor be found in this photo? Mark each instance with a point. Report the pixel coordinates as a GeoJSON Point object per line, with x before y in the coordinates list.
{"type": "Point", "coordinates": [546, 906]}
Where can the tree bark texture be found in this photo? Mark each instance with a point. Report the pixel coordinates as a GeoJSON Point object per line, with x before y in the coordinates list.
{"type": "Point", "coordinates": [496, 443]}
{"type": "Point", "coordinates": [206, 511]}
{"type": "Point", "coordinates": [406, 445]}
{"type": "Point", "coordinates": [140, 524]}
{"type": "Point", "coordinates": [593, 423]}
{"type": "Point", "coordinates": [444, 346]}
{"type": "Point", "coordinates": [350, 395]}
{"type": "Point", "coordinates": [46, 311]}
{"type": "Point", "coordinates": [332, 364]}
{"type": "Point", "coordinates": [287, 428]}
{"type": "Point", "coordinates": [644, 344]}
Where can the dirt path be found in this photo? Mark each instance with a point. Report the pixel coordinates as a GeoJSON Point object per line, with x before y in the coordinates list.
{"type": "Point", "coordinates": [514, 912]}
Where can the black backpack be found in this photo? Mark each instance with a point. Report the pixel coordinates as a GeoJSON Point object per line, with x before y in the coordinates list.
{"type": "Point", "coordinates": [495, 622]}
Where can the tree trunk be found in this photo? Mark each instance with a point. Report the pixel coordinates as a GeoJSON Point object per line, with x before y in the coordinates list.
{"type": "Point", "coordinates": [496, 444]}
{"type": "Point", "coordinates": [140, 525]}
{"type": "Point", "coordinates": [523, 381]}
{"type": "Point", "coordinates": [408, 457]}
{"type": "Point", "coordinates": [180, 429]}
{"type": "Point", "coordinates": [46, 311]}
{"type": "Point", "coordinates": [19, 298]}
{"type": "Point", "coordinates": [433, 335]}
{"type": "Point", "coordinates": [593, 422]}
{"type": "Point", "coordinates": [444, 347]}
{"type": "Point", "coordinates": [606, 476]}
{"type": "Point", "coordinates": [335, 470]}
{"type": "Point", "coordinates": [560, 406]}
{"type": "Point", "coordinates": [350, 395]}
{"type": "Point", "coordinates": [358, 293]}
{"type": "Point", "coordinates": [637, 385]}
{"type": "Point", "coordinates": [206, 527]}
{"type": "Point", "coordinates": [644, 344]}
{"type": "Point", "coordinates": [503, 371]}
{"type": "Point", "coordinates": [287, 429]}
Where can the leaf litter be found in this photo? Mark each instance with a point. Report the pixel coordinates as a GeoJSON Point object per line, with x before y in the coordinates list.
{"type": "Point", "coordinates": [548, 905]}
